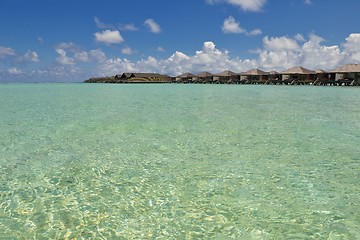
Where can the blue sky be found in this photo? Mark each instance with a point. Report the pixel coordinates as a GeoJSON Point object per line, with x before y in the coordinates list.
{"type": "Point", "coordinates": [72, 40]}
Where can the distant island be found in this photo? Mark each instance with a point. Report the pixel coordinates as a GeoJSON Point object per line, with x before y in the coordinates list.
{"type": "Point", "coordinates": [347, 75]}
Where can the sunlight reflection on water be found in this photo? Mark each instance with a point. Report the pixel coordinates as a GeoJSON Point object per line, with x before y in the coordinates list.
{"type": "Point", "coordinates": [179, 162]}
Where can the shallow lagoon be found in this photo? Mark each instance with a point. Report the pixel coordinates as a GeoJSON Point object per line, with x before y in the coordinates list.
{"type": "Point", "coordinates": [179, 162]}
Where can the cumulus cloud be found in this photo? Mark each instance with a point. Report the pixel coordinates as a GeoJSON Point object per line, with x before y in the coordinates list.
{"type": "Point", "coordinates": [65, 49]}
{"type": "Point", "coordinates": [128, 27]}
{"type": "Point", "coordinates": [5, 51]}
{"type": "Point", "coordinates": [352, 47]}
{"type": "Point", "coordinates": [62, 58]}
{"type": "Point", "coordinates": [314, 54]}
{"type": "Point", "coordinates": [109, 37]}
{"type": "Point", "coordinates": [153, 26]}
{"type": "Point", "coordinates": [231, 26]}
{"type": "Point", "coordinates": [299, 37]}
{"type": "Point", "coordinates": [246, 5]}
{"type": "Point", "coordinates": [286, 52]}
{"type": "Point", "coordinates": [280, 43]}
{"type": "Point", "coordinates": [70, 54]}
{"type": "Point", "coordinates": [276, 53]}
{"type": "Point", "coordinates": [11, 55]}
{"type": "Point", "coordinates": [208, 59]}
{"type": "Point", "coordinates": [97, 55]}
{"type": "Point", "coordinates": [69, 45]}
{"type": "Point", "coordinates": [82, 56]}
{"type": "Point", "coordinates": [254, 32]}
{"type": "Point", "coordinates": [115, 66]}
{"type": "Point", "coordinates": [30, 56]}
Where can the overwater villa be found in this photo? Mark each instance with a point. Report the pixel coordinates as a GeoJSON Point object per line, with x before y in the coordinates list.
{"type": "Point", "coordinates": [185, 78]}
{"type": "Point", "coordinates": [226, 76]}
{"type": "Point", "coordinates": [254, 76]}
{"type": "Point", "coordinates": [323, 78]}
{"type": "Point", "coordinates": [274, 78]}
{"type": "Point", "coordinates": [348, 74]}
{"type": "Point", "coordinates": [345, 75]}
{"type": "Point", "coordinates": [205, 77]}
{"type": "Point", "coordinates": [298, 75]}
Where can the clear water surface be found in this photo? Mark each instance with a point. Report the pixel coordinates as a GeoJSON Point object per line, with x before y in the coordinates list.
{"type": "Point", "coordinates": [97, 161]}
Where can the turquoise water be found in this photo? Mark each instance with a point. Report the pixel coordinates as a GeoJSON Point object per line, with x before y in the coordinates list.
{"type": "Point", "coordinates": [170, 161]}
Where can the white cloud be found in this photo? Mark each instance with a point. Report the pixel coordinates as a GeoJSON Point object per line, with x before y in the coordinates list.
{"type": "Point", "coordinates": [127, 51]}
{"type": "Point", "coordinates": [69, 54]}
{"type": "Point", "coordinates": [246, 5]}
{"type": "Point", "coordinates": [315, 55]}
{"type": "Point", "coordinates": [299, 37]}
{"type": "Point", "coordinates": [208, 59]}
{"type": "Point", "coordinates": [70, 45]}
{"type": "Point", "coordinates": [31, 56]}
{"type": "Point", "coordinates": [14, 71]}
{"type": "Point", "coordinates": [109, 37]}
{"type": "Point", "coordinates": [5, 51]}
{"type": "Point", "coordinates": [128, 27]}
{"type": "Point", "coordinates": [276, 53]}
{"type": "Point", "coordinates": [284, 52]}
{"type": "Point", "coordinates": [280, 43]}
{"type": "Point", "coordinates": [116, 66]}
{"type": "Point", "coordinates": [231, 26]}
{"type": "Point", "coordinates": [308, 2]}
{"type": "Point", "coordinates": [352, 47]}
{"type": "Point", "coordinates": [249, 5]}
{"type": "Point", "coordinates": [254, 32]}
{"type": "Point", "coordinates": [97, 55]}
{"type": "Point", "coordinates": [177, 63]}
{"type": "Point", "coordinates": [82, 56]}
{"type": "Point", "coordinates": [62, 58]}
{"type": "Point", "coordinates": [153, 26]}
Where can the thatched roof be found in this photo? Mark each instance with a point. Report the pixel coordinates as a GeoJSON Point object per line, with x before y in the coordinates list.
{"type": "Point", "coordinates": [145, 75]}
{"type": "Point", "coordinates": [255, 72]}
{"type": "Point", "coordinates": [298, 70]}
{"type": "Point", "coordinates": [320, 71]}
{"type": "Point", "coordinates": [126, 75]}
{"type": "Point", "coordinates": [274, 73]}
{"type": "Point", "coordinates": [186, 75]}
{"type": "Point", "coordinates": [205, 74]}
{"type": "Point", "coordinates": [226, 73]}
{"type": "Point", "coordinates": [348, 68]}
